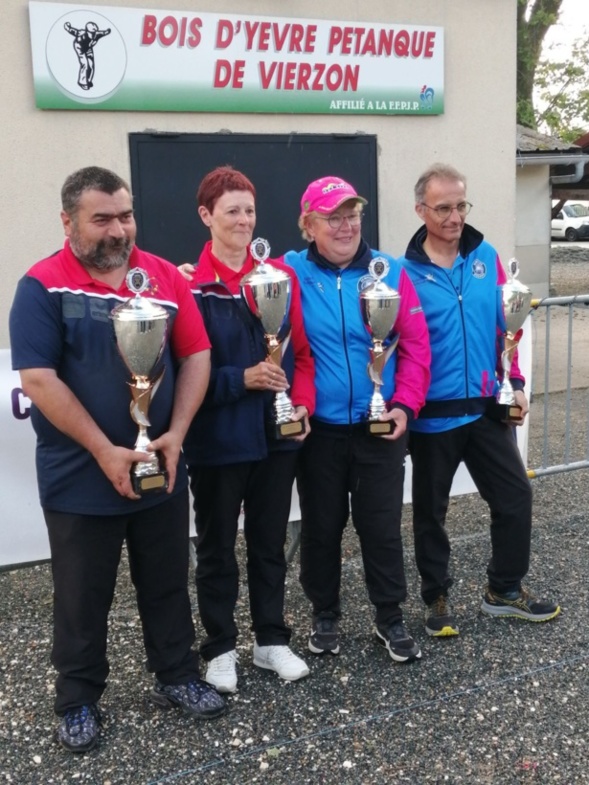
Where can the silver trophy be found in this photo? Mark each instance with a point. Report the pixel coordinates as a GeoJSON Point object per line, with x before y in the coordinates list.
{"type": "Point", "coordinates": [267, 292]}
{"type": "Point", "coordinates": [379, 304]}
{"type": "Point", "coordinates": [517, 301]}
{"type": "Point", "coordinates": [140, 327]}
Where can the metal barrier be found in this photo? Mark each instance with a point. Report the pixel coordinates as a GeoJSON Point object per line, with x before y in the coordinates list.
{"type": "Point", "coordinates": [564, 389]}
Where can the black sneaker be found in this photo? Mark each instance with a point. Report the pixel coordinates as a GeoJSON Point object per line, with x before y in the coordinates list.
{"type": "Point", "coordinates": [195, 698]}
{"type": "Point", "coordinates": [324, 636]}
{"type": "Point", "coordinates": [439, 620]}
{"type": "Point", "coordinates": [521, 605]}
{"type": "Point", "coordinates": [399, 644]}
{"type": "Point", "coordinates": [79, 728]}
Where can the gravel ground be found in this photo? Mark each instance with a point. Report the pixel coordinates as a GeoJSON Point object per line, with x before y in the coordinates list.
{"type": "Point", "coordinates": [569, 269]}
{"type": "Point", "coordinates": [506, 703]}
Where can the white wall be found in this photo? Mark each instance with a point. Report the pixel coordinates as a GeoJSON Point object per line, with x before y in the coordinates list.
{"type": "Point", "coordinates": [532, 234]}
{"type": "Point", "coordinates": [476, 134]}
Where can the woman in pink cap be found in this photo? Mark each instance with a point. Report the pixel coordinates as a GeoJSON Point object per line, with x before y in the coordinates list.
{"type": "Point", "coordinates": [340, 460]}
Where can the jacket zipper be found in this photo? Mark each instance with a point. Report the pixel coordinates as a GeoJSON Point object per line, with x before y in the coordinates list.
{"type": "Point", "coordinates": [464, 340]}
{"type": "Point", "coordinates": [350, 378]}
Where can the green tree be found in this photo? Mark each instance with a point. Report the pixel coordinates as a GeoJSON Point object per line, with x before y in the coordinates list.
{"type": "Point", "coordinates": [561, 86]}
{"type": "Point", "coordinates": [559, 82]}
{"type": "Point", "coordinates": [534, 18]}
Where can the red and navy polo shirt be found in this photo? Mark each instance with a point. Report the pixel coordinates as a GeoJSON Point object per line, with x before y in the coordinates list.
{"type": "Point", "coordinates": [60, 320]}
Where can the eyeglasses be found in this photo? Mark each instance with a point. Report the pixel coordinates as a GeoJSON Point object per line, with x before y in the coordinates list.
{"type": "Point", "coordinates": [445, 210]}
{"type": "Point", "coordinates": [335, 220]}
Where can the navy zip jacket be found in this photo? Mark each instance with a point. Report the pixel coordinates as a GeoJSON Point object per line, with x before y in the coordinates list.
{"type": "Point", "coordinates": [230, 426]}
{"type": "Point", "coordinates": [464, 313]}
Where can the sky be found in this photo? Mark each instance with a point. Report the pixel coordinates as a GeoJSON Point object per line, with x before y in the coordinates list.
{"type": "Point", "coordinates": [573, 24]}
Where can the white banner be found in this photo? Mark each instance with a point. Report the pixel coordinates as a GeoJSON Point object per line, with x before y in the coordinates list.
{"type": "Point", "coordinates": [23, 536]}
{"type": "Point", "coordinates": [106, 57]}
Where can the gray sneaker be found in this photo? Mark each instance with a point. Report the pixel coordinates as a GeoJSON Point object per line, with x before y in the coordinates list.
{"type": "Point", "coordinates": [439, 619]}
{"type": "Point", "coordinates": [519, 604]}
{"type": "Point", "coordinates": [397, 641]}
{"type": "Point", "coordinates": [79, 728]}
{"type": "Point", "coordinates": [324, 637]}
{"type": "Point", "coordinates": [195, 698]}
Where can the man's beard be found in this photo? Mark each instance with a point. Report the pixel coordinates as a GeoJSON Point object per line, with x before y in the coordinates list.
{"type": "Point", "coordinates": [105, 255]}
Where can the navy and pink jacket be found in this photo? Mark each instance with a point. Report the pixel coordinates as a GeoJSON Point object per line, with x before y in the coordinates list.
{"type": "Point", "coordinates": [341, 343]}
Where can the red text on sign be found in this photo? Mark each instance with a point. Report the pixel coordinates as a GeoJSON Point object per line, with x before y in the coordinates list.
{"type": "Point", "coordinates": [170, 30]}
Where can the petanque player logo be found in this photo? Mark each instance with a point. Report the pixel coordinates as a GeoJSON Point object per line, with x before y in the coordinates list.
{"type": "Point", "coordinates": [86, 56]}
{"type": "Point", "coordinates": [85, 40]}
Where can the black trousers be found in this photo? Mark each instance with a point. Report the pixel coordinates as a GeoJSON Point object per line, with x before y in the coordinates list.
{"type": "Point", "coordinates": [265, 488]}
{"type": "Point", "coordinates": [337, 467]}
{"type": "Point", "coordinates": [490, 452]}
{"type": "Point", "coordinates": [85, 555]}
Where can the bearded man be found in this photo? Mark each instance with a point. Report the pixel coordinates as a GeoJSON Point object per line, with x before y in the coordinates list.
{"type": "Point", "coordinates": [64, 348]}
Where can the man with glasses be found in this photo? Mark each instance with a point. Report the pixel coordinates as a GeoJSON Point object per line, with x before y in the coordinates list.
{"type": "Point", "coordinates": [457, 276]}
{"type": "Point", "coordinates": [340, 461]}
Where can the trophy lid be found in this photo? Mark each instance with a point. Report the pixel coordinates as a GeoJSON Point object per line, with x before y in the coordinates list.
{"type": "Point", "coordinates": [138, 308]}
{"type": "Point", "coordinates": [260, 249]}
{"type": "Point", "coordinates": [263, 273]}
{"type": "Point", "coordinates": [377, 289]}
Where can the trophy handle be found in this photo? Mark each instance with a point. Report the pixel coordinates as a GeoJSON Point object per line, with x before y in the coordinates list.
{"type": "Point", "coordinates": [140, 398]}
{"type": "Point", "coordinates": [378, 359]}
{"type": "Point", "coordinates": [505, 408]}
{"type": "Point", "coordinates": [507, 356]}
{"type": "Point", "coordinates": [274, 350]}
{"type": "Point", "coordinates": [146, 475]}
{"type": "Point", "coordinates": [283, 425]}
{"type": "Point", "coordinates": [142, 392]}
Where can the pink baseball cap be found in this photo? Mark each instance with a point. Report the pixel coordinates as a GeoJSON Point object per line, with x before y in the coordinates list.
{"type": "Point", "coordinates": [327, 194]}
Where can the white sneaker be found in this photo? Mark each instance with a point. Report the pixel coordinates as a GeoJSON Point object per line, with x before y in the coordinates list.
{"type": "Point", "coordinates": [221, 672]}
{"type": "Point", "coordinates": [281, 660]}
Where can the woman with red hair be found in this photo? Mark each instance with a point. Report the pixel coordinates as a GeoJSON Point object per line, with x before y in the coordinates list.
{"type": "Point", "coordinates": [231, 456]}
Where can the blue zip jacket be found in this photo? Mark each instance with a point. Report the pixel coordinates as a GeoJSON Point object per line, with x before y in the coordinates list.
{"type": "Point", "coordinates": [464, 314]}
{"type": "Point", "coordinates": [340, 341]}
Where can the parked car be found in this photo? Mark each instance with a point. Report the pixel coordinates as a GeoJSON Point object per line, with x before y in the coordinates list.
{"type": "Point", "coordinates": [572, 222]}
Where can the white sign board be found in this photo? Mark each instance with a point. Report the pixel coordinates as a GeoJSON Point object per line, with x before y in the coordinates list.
{"type": "Point", "coordinates": [107, 57]}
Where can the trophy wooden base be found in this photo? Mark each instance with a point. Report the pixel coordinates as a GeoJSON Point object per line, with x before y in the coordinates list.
{"type": "Point", "coordinates": [149, 483]}
{"type": "Point", "coordinates": [379, 427]}
{"type": "Point", "coordinates": [504, 412]}
{"type": "Point", "coordinates": [285, 430]}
